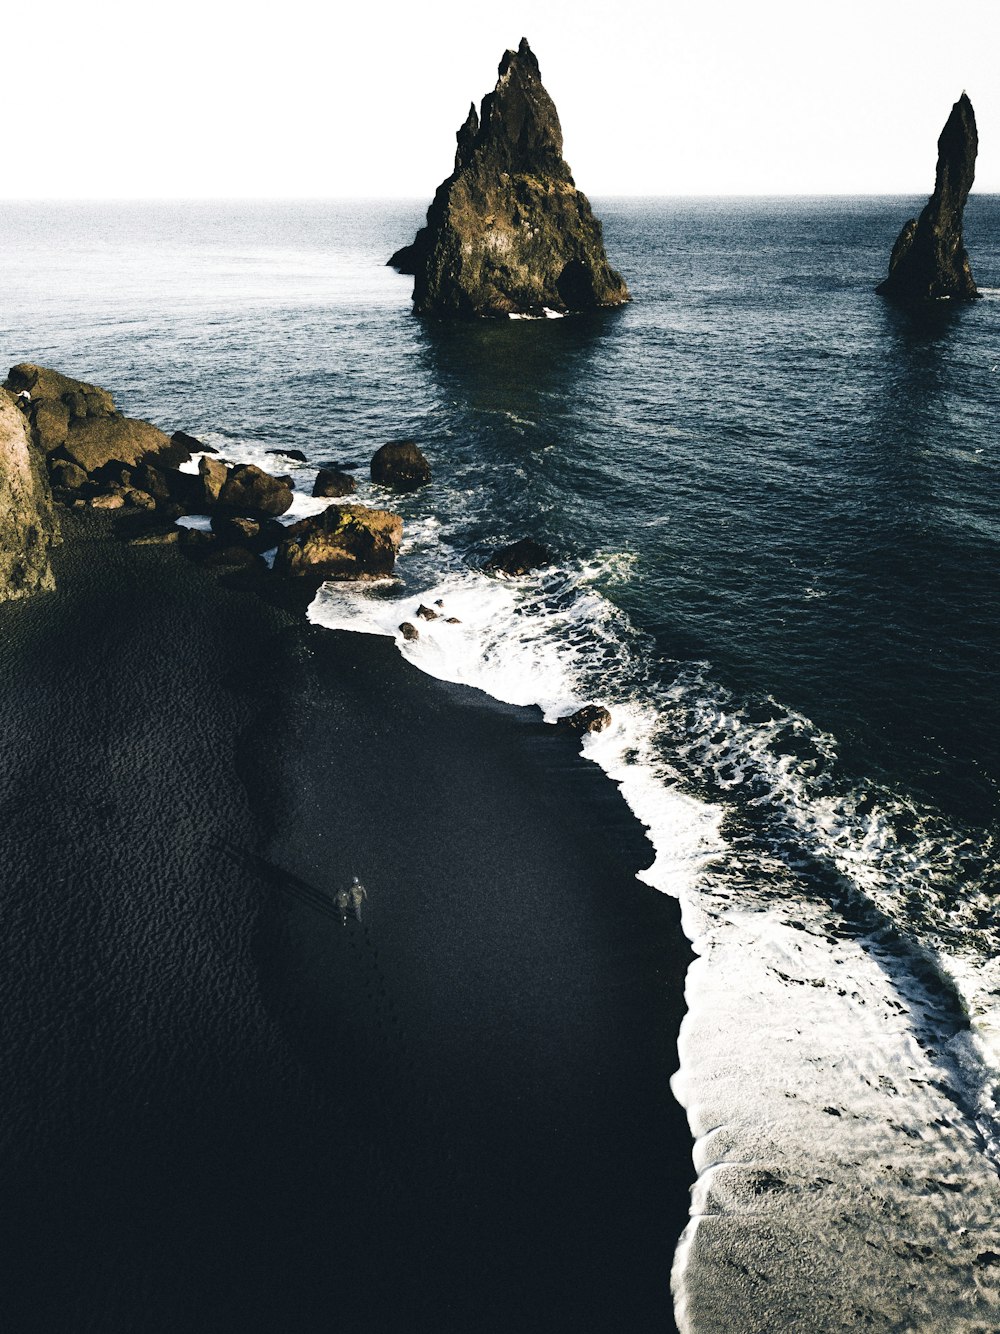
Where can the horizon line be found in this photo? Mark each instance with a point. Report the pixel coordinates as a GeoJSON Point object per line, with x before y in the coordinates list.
{"type": "Point", "coordinates": [406, 199]}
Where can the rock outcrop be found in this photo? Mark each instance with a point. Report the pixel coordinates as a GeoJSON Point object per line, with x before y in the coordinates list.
{"type": "Point", "coordinates": [400, 464]}
{"type": "Point", "coordinates": [28, 525]}
{"type": "Point", "coordinates": [508, 232]}
{"type": "Point", "coordinates": [344, 542]}
{"type": "Point", "coordinates": [928, 261]}
{"type": "Point", "coordinates": [79, 422]}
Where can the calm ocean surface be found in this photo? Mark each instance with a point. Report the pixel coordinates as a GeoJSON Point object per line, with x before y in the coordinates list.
{"type": "Point", "coordinates": [775, 503]}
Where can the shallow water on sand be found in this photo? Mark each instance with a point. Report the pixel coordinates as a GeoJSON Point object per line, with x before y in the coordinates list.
{"type": "Point", "coordinates": [773, 502]}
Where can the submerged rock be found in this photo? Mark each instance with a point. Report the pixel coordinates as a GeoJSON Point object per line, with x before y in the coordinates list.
{"type": "Point", "coordinates": [400, 464]}
{"type": "Point", "coordinates": [929, 261]}
{"type": "Point", "coordinates": [344, 542]}
{"type": "Point", "coordinates": [28, 525]}
{"type": "Point", "coordinates": [79, 422]}
{"type": "Point", "coordinates": [508, 232]}
{"type": "Point", "coordinates": [409, 631]}
{"type": "Point", "coordinates": [519, 558]}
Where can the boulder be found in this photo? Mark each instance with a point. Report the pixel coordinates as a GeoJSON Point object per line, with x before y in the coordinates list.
{"type": "Point", "coordinates": [400, 464]}
{"type": "Point", "coordinates": [295, 455]}
{"type": "Point", "coordinates": [333, 483]}
{"type": "Point", "coordinates": [231, 528]}
{"type": "Point", "coordinates": [591, 718]}
{"type": "Point", "coordinates": [251, 491]}
{"type": "Point", "coordinates": [168, 487]}
{"type": "Point", "coordinates": [344, 542]}
{"type": "Point", "coordinates": [519, 558]}
{"type": "Point", "coordinates": [929, 261]}
{"type": "Point", "coordinates": [191, 444]}
{"type": "Point", "coordinates": [409, 631]}
{"type": "Point", "coordinates": [427, 613]}
{"type": "Point", "coordinates": [110, 500]}
{"type": "Point", "coordinates": [67, 476]}
{"type": "Point", "coordinates": [256, 535]}
{"type": "Point", "coordinates": [212, 475]}
{"type": "Point", "coordinates": [81, 422]}
{"type": "Point", "coordinates": [28, 524]}
{"type": "Point", "coordinates": [508, 232]}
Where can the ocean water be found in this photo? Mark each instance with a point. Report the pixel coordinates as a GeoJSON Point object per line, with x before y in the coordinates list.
{"type": "Point", "coordinates": [773, 502]}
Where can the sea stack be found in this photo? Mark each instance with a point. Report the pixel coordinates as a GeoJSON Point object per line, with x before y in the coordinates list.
{"type": "Point", "coordinates": [508, 233]}
{"type": "Point", "coordinates": [928, 261]}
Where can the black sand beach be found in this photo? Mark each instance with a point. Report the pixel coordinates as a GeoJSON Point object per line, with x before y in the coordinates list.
{"type": "Point", "coordinates": [224, 1110]}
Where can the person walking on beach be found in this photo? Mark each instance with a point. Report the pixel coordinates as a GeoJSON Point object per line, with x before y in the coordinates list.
{"type": "Point", "coordinates": [358, 892]}
{"type": "Point", "coordinates": [343, 903]}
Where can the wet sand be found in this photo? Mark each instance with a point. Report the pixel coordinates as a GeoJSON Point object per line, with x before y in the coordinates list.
{"type": "Point", "coordinates": [222, 1109]}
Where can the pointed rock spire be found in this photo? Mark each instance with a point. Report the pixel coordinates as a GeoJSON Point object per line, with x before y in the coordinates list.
{"type": "Point", "coordinates": [508, 232]}
{"type": "Point", "coordinates": [929, 261]}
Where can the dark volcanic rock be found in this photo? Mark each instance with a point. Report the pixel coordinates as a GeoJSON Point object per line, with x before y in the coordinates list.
{"type": "Point", "coordinates": [67, 476]}
{"type": "Point", "coordinates": [251, 491]}
{"type": "Point", "coordinates": [191, 443]}
{"type": "Point", "coordinates": [591, 718]}
{"type": "Point", "coordinates": [344, 542]}
{"type": "Point", "coordinates": [295, 455]}
{"type": "Point", "coordinates": [928, 261]}
{"type": "Point", "coordinates": [519, 558]}
{"type": "Point", "coordinates": [409, 631]}
{"type": "Point", "coordinates": [28, 526]}
{"type": "Point", "coordinates": [400, 464]}
{"type": "Point", "coordinates": [508, 232]}
{"type": "Point", "coordinates": [81, 422]}
{"type": "Point", "coordinates": [332, 482]}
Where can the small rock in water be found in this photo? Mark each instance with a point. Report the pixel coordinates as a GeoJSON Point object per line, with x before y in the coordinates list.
{"type": "Point", "coordinates": [453, 620]}
{"type": "Point", "coordinates": [295, 455]}
{"type": "Point", "coordinates": [426, 613]}
{"type": "Point", "coordinates": [400, 464]}
{"type": "Point", "coordinates": [333, 483]}
{"type": "Point", "coordinates": [409, 631]}
{"type": "Point", "coordinates": [519, 558]}
{"type": "Point", "coordinates": [591, 718]}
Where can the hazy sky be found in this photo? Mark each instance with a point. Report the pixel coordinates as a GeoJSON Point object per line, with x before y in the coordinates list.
{"type": "Point", "coordinates": [214, 98]}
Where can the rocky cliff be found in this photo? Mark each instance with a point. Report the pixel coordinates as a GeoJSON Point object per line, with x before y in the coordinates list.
{"type": "Point", "coordinates": [928, 261]}
{"type": "Point", "coordinates": [508, 232]}
{"type": "Point", "coordinates": [28, 526]}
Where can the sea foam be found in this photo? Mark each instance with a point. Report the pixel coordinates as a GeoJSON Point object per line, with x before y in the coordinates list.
{"type": "Point", "coordinates": [838, 1098]}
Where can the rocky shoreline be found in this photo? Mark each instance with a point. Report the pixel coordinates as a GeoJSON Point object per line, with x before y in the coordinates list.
{"type": "Point", "coordinates": [253, 1117]}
